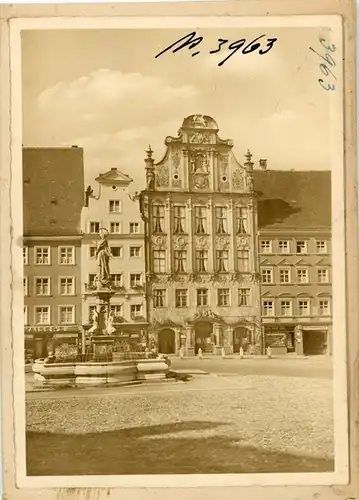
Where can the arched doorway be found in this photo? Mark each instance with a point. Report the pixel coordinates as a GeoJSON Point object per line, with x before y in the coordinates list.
{"type": "Point", "coordinates": [166, 341]}
{"type": "Point", "coordinates": [203, 336]}
{"type": "Point", "coordinates": [241, 338]}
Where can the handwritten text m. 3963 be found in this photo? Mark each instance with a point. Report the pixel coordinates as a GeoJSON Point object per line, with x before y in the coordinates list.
{"type": "Point", "coordinates": [326, 67]}
{"type": "Point", "coordinates": [191, 41]}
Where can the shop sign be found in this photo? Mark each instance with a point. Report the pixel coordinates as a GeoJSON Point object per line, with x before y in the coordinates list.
{"type": "Point", "coordinates": [49, 329]}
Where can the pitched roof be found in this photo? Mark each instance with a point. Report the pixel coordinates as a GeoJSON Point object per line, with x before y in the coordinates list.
{"type": "Point", "coordinates": [114, 176]}
{"type": "Point", "coordinates": [293, 199]}
{"type": "Point", "coordinates": [53, 191]}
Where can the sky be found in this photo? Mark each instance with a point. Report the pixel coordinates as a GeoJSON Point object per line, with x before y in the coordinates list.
{"type": "Point", "coordinates": [105, 91]}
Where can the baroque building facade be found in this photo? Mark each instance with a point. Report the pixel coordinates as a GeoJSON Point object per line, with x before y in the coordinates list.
{"type": "Point", "coordinates": [110, 206]}
{"type": "Point", "coordinates": [200, 214]}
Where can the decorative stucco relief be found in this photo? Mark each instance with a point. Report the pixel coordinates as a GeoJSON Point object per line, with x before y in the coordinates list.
{"type": "Point", "coordinates": [162, 176]}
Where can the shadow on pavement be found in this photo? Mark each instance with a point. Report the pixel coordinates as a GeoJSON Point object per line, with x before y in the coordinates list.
{"type": "Point", "coordinates": [127, 451]}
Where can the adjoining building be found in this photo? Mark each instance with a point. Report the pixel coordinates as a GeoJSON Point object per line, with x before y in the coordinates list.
{"type": "Point", "coordinates": [109, 205]}
{"type": "Point", "coordinates": [200, 214]}
{"type": "Point", "coordinates": [53, 191]}
{"type": "Point", "coordinates": [294, 231]}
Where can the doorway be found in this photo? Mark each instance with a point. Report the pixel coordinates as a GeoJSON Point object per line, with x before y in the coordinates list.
{"type": "Point", "coordinates": [166, 341]}
{"type": "Point", "coordinates": [204, 337]}
{"type": "Point", "coordinates": [314, 342]}
{"type": "Point", "coordinates": [241, 338]}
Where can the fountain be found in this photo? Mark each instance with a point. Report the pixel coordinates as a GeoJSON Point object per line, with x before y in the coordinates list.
{"type": "Point", "coordinates": [100, 366]}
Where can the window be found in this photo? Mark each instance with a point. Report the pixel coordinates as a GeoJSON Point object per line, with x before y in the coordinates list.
{"type": "Point", "coordinates": [244, 296]}
{"type": "Point", "coordinates": [116, 309]}
{"type": "Point", "coordinates": [283, 246]}
{"type": "Point", "coordinates": [116, 252]}
{"type": "Point", "coordinates": [223, 297]}
{"type": "Point", "coordinates": [303, 307]}
{"type": "Point", "coordinates": [42, 286]}
{"type": "Point", "coordinates": [134, 227]}
{"type": "Point", "coordinates": [324, 308]}
{"type": "Point", "coordinates": [94, 227]}
{"type": "Point", "coordinates": [115, 206]}
{"type": "Point", "coordinates": [135, 280]}
{"type": "Point", "coordinates": [67, 286]}
{"type": "Point", "coordinates": [92, 309]}
{"type": "Point", "coordinates": [159, 298]}
{"type": "Point", "coordinates": [92, 252]}
{"type": "Point", "coordinates": [284, 275]}
{"type": "Point", "coordinates": [158, 218]}
{"type": "Point", "coordinates": [266, 246]}
{"type": "Point", "coordinates": [26, 288]}
{"type": "Point", "coordinates": [67, 256]}
{"type": "Point", "coordinates": [243, 260]}
{"type": "Point", "coordinates": [221, 220]}
{"type": "Point", "coordinates": [42, 255]}
{"type": "Point", "coordinates": [200, 220]}
{"type": "Point", "coordinates": [267, 276]}
{"type": "Point", "coordinates": [286, 308]}
{"type": "Point", "coordinates": [301, 246]}
{"type": "Point", "coordinates": [202, 297]}
{"type": "Point", "coordinates": [181, 298]}
{"type": "Point", "coordinates": [67, 315]}
{"type": "Point", "coordinates": [116, 280]}
{"type": "Point", "coordinates": [201, 261]}
{"type": "Point", "coordinates": [92, 278]}
{"type": "Point", "coordinates": [26, 316]}
{"type": "Point", "coordinates": [241, 220]}
{"type": "Point", "coordinates": [222, 260]}
{"type": "Point", "coordinates": [302, 275]}
{"type": "Point", "coordinates": [136, 310]}
{"type": "Point", "coordinates": [135, 251]}
{"type": "Point", "coordinates": [25, 255]}
{"type": "Point", "coordinates": [179, 219]}
{"type": "Point", "coordinates": [159, 261]}
{"type": "Point", "coordinates": [42, 315]}
{"type": "Point", "coordinates": [115, 227]}
{"type": "Point", "coordinates": [268, 308]}
{"type": "Point", "coordinates": [323, 276]}
{"type": "Point", "coordinates": [321, 246]}
{"type": "Point", "coordinates": [180, 259]}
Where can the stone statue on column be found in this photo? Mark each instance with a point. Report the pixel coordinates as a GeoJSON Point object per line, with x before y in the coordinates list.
{"type": "Point", "coordinates": [103, 254]}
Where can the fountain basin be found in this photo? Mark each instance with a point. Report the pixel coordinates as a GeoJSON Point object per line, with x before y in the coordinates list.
{"type": "Point", "coordinates": [80, 374]}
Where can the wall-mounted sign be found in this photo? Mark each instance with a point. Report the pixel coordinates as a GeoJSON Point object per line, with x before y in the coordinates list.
{"type": "Point", "coordinates": [50, 329]}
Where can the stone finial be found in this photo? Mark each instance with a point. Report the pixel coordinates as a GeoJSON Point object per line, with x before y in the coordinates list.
{"type": "Point", "coordinates": [149, 152]}
{"type": "Point", "coordinates": [248, 163]}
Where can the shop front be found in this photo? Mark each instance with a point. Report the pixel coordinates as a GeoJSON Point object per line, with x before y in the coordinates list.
{"type": "Point", "coordinates": [41, 340]}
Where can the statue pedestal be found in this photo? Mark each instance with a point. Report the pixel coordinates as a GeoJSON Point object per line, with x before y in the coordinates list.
{"type": "Point", "coordinates": [102, 346]}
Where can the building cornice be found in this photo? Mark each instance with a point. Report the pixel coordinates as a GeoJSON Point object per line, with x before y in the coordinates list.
{"type": "Point", "coordinates": [53, 238]}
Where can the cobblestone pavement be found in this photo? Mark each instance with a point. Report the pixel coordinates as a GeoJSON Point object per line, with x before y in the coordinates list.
{"type": "Point", "coordinates": [212, 424]}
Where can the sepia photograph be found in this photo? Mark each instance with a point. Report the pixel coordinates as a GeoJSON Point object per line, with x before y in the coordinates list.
{"type": "Point", "coordinates": [180, 249]}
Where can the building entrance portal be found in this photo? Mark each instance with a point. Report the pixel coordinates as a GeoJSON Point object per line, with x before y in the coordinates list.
{"type": "Point", "coordinates": [241, 338]}
{"type": "Point", "coordinates": [166, 341]}
{"type": "Point", "coordinates": [204, 337]}
{"type": "Point", "coordinates": [314, 342]}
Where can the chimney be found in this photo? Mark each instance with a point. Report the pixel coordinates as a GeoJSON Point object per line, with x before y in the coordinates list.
{"type": "Point", "coordinates": [263, 164]}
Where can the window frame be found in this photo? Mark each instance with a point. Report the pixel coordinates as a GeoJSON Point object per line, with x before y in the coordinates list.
{"type": "Point", "coordinates": [73, 263]}
{"type": "Point", "coordinates": [36, 248]}
{"type": "Point", "coordinates": [49, 286]}
{"type": "Point", "coordinates": [177, 295]}
{"type": "Point", "coordinates": [63, 306]}
{"type": "Point", "coordinates": [38, 306]}
{"type": "Point", "coordinates": [119, 211]}
{"type": "Point", "coordinates": [221, 295]}
{"type": "Point", "coordinates": [73, 286]}
{"type": "Point", "coordinates": [270, 269]}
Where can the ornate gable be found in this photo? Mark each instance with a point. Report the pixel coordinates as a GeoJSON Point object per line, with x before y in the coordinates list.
{"type": "Point", "coordinates": [115, 177]}
{"type": "Point", "coordinates": [198, 160]}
